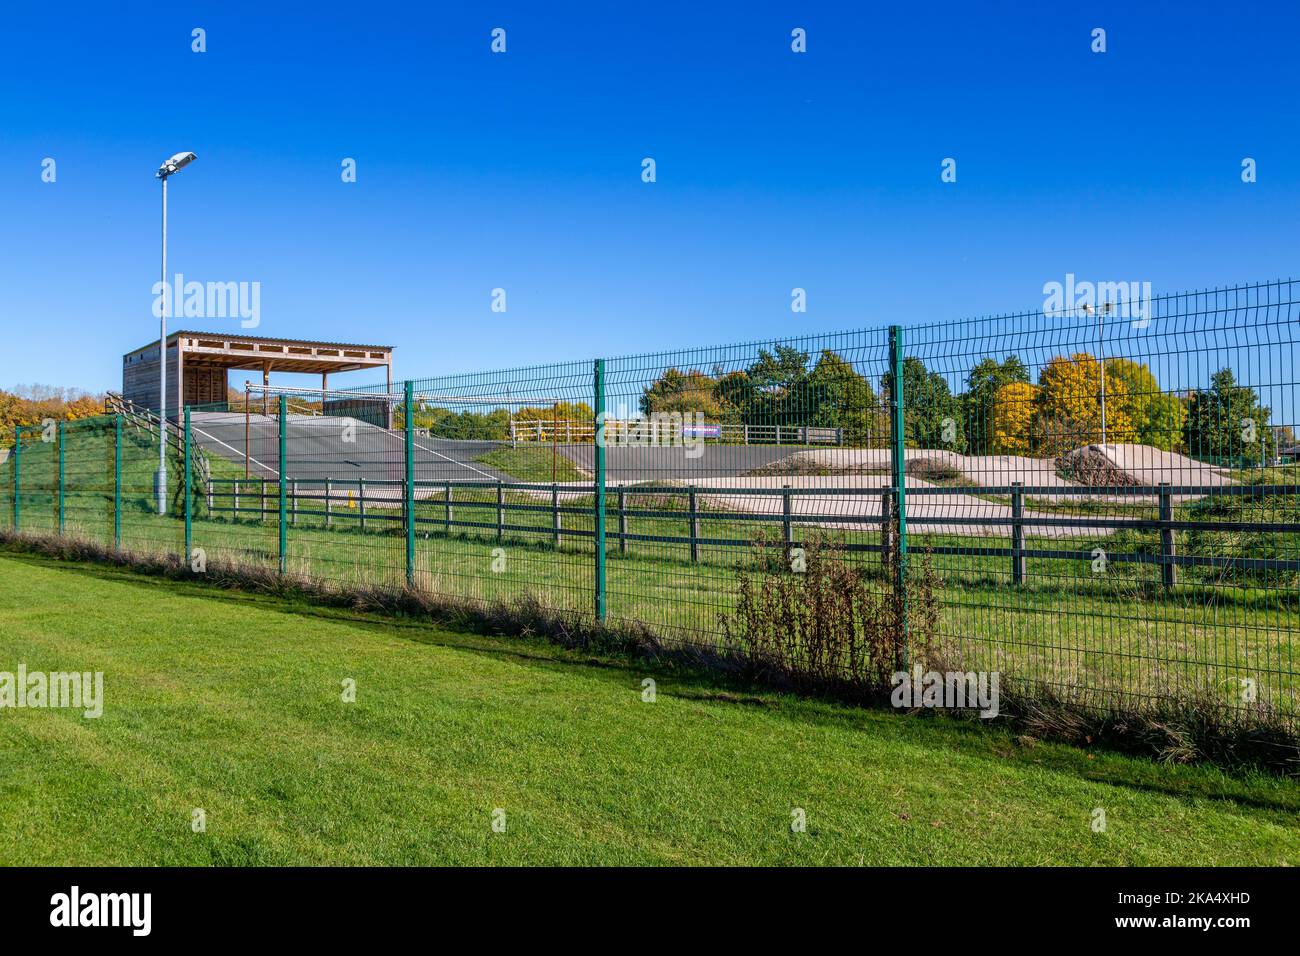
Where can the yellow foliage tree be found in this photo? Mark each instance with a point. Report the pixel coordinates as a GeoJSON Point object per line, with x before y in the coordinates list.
{"type": "Point", "coordinates": [1069, 406]}
{"type": "Point", "coordinates": [1013, 414]}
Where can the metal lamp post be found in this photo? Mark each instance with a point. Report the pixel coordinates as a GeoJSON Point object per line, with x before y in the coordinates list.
{"type": "Point", "coordinates": [179, 161]}
{"type": "Point", "coordinates": [1101, 362]}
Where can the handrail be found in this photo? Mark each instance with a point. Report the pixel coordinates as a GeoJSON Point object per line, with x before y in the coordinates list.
{"type": "Point", "coordinates": [144, 418]}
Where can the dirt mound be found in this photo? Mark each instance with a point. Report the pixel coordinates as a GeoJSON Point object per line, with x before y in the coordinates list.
{"type": "Point", "coordinates": [935, 470]}
{"type": "Point", "coordinates": [1092, 467]}
{"type": "Point", "coordinates": [930, 469]}
{"type": "Point", "coordinates": [793, 465]}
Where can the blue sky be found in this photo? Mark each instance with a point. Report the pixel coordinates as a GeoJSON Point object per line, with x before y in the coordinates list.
{"type": "Point", "coordinates": [523, 170]}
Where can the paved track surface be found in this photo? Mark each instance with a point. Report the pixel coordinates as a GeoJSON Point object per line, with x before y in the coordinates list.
{"type": "Point", "coordinates": [625, 464]}
{"type": "Point", "coordinates": [317, 448]}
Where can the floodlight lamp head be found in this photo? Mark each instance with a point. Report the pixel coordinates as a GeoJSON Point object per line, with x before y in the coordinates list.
{"type": "Point", "coordinates": [179, 161]}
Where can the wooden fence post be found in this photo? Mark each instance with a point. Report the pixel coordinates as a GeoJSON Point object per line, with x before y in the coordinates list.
{"type": "Point", "coordinates": [1017, 534]}
{"type": "Point", "coordinates": [695, 527]}
{"type": "Point", "coordinates": [555, 513]}
{"type": "Point", "coordinates": [787, 527]}
{"type": "Point", "coordinates": [501, 511]}
{"type": "Point", "coordinates": [1168, 569]}
{"type": "Point", "coordinates": [886, 527]}
{"type": "Point", "coordinates": [622, 521]}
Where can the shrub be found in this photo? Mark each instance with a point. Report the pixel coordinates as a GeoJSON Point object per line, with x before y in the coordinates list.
{"type": "Point", "coordinates": [833, 627]}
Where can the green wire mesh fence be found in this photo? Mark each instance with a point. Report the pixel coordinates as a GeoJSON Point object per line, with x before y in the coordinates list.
{"type": "Point", "coordinates": [1107, 495]}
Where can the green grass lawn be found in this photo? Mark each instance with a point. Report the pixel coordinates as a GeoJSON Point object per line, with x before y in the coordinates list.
{"type": "Point", "coordinates": [1100, 634]}
{"type": "Point", "coordinates": [231, 703]}
{"type": "Point", "coordinates": [533, 463]}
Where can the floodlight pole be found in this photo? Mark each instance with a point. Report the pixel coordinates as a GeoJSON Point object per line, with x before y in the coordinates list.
{"type": "Point", "coordinates": [178, 161]}
{"type": "Point", "coordinates": [160, 480]}
{"type": "Point", "coordinates": [1101, 364]}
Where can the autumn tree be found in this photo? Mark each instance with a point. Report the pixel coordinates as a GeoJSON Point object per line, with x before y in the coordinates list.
{"type": "Point", "coordinates": [1069, 408]}
{"type": "Point", "coordinates": [1157, 418]}
{"type": "Point", "coordinates": [979, 403]}
{"type": "Point", "coordinates": [1012, 418]}
{"type": "Point", "coordinates": [33, 404]}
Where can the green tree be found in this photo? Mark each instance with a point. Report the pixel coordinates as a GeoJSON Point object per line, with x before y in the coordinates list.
{"type": "Point", "coordinates": [685, 392]}
{"type": "Point", "coordinates": [979, 402]}
{"type": "Point", "coordinates": [1227, 422]}
{"type": "Point", "coordinates": [842, 398]}
{"type": "Point", "coordinates": [931, 413]}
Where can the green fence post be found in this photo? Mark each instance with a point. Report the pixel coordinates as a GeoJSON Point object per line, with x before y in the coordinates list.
{"type": "Point", "coordinates": [284, 527]}
{"type": "Point", "coordinates": [899, 475]}
{"type": "Point", "coordinates": [61, 480]}
{"type": "Point", "coordinates": [409, 482]}
{"type": "Point", "coordinates": [599, 441]}
{"type": "Point", "coordinates": [189, 523]}
{"type": "Point", "coordinates": [117, 483]}
{"type": "Point", "coordinates": [18, 478]}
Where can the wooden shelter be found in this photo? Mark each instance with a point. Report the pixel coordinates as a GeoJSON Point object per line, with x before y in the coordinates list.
{"type": "Point", "coordinates": [199, 363]}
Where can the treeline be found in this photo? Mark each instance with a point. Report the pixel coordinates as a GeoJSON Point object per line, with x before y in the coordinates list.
{"type": "Point", "coordinates": [783, 387]}
{"type": "Point", "coordinates": [1001, 410]}
{"type": "Point", "coordinates": [488, 426]}
{"type": "Point", "coordinates": [35, 404]}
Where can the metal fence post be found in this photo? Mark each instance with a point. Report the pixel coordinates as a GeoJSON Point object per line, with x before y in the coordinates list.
{"type": "Point", "coordinates": [61, 481]}
{"type": "Point", "coordinates": [446, 508]}
{"type": "Point", "coordinates": [18, 478]}
{"type": "Point", "coordinates": [598, 438]}
{"type": "Point", "coordinates": [189, 521]}
{"type": "Point", "coordinates": [408, 484]}
{"type": "Point", "coordinates": [898, 468]}
{"type": "Point", "coordinates": [117, 482]}
{"type": "Point", "coordinates": [1017, 534]}
{"type": "Point", "coordinates": [1168, 568]}
{"type": "Point", "coordinates": [329, 493]}
{"type": "Point", "coordinates": [284, 487]}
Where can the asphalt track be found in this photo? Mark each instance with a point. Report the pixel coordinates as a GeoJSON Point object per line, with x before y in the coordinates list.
{"type": "Point", "coordinates": [345, 450]}
{"type": "Point", "coordinates": [339, 449]}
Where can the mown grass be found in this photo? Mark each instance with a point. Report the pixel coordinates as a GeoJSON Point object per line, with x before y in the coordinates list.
{"type": "Point", "coordinates": [231, 703]}
{"type": "Point", "coordinates": [532, 463]}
